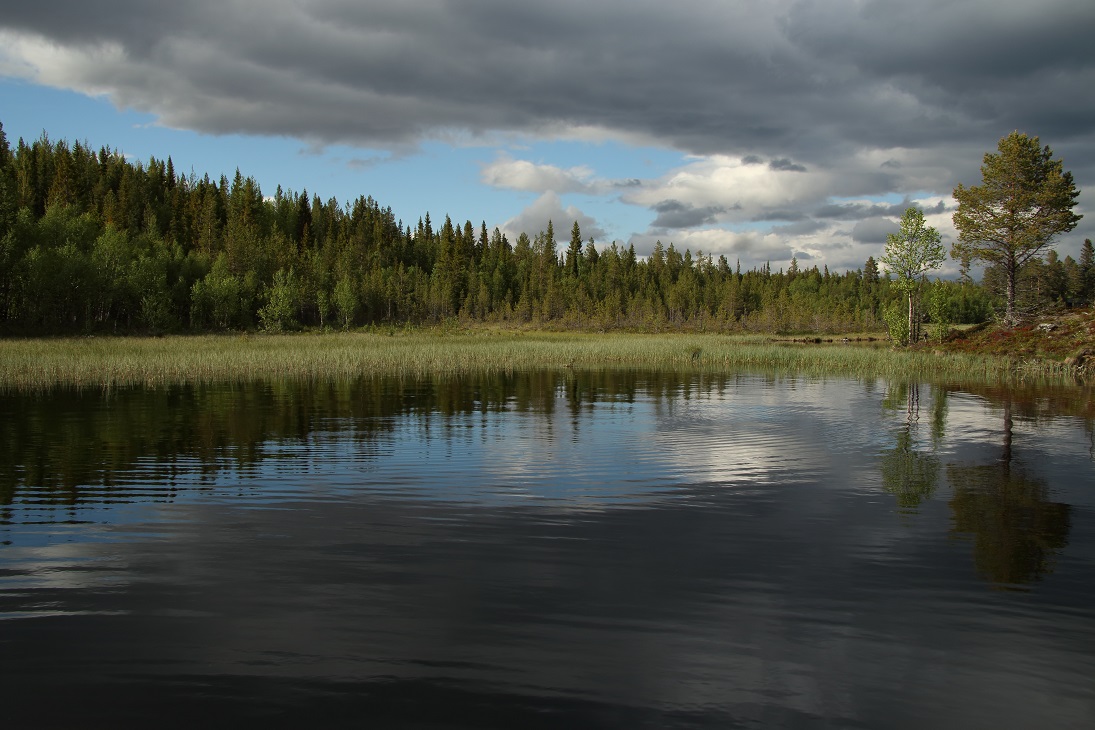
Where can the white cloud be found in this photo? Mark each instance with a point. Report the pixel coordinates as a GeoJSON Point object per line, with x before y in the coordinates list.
{"type": "Point", "coordinates": [549, 207]}
{"type": "Point", "coordinates": [511, 174]}
{"type": "Point", "coordinates": [742, 191]}
{"type": "Point", "coordinates": [751, 210]}
{"type": "Point", "coordinates": [750, 248]}
{"type": "Point", "coordinates": [36, 59]}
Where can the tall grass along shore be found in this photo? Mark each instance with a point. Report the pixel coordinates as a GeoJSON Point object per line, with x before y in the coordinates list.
{"type": "Point", "coordinates": [41, 364]}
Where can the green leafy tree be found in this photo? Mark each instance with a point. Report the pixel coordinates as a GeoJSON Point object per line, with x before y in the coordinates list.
{"type": "Point", "coordinates": [346, 301]}
{"type": "Point", "coordinates": [917, 249]}
{"type": "Point", "coordinates": [1025, 200]}
{"type": "Point", "coordinates": [278, 313]}
{"type": "Point", "coordinates": [217, 299]}
{"type": "Point", "coordinates": [939, 311]}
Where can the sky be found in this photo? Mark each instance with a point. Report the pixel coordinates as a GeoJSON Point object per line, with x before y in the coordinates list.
{"type": "Point", "coordinates": [756, 129]}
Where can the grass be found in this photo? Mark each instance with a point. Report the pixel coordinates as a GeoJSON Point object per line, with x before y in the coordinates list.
{"type": "Point", "coordinates": [91, 362]}
{"type": "Point", "coordinates": [1052, 337]}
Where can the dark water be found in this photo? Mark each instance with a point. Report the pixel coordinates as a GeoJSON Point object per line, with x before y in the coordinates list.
{"type": "Point", "coordinates": [549, 550]}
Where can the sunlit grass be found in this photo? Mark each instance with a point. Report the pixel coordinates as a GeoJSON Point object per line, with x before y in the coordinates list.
{"type": "Point", "coordinates": [36, 364]}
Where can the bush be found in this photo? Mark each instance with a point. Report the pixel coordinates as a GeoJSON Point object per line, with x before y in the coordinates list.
{"type": "Point", "coordinates": [897, 322]}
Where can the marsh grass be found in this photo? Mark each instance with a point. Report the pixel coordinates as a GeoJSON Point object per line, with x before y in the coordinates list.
{"type": "Point", "coordinates": [41, 364]}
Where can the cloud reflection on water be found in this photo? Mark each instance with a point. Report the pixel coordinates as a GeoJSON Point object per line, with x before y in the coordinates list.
{"type": "Point", "coordinates": [666, 549]}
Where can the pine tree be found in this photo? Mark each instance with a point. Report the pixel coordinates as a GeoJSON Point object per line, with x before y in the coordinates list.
{"type": "Point", "coordinates": [1025, 199]}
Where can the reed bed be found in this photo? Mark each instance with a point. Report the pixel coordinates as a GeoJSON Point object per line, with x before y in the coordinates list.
{"type": "Point", "coordinates": [109, 362]}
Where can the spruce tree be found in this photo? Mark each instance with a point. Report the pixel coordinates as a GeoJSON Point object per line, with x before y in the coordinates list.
{"type": "Point", "coordinates": [1086, 289]}
{"type": "Point", "coordinates": [574, 252]}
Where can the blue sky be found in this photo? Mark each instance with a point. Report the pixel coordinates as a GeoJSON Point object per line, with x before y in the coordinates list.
{"type": "Point", "coordinates": [759, 131]}
{"type": "Point", "coordinates": [439, 178]}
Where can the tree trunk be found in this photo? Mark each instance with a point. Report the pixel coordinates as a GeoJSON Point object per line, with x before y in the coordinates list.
{"type": "Point", "coordinates": [1009, 312]}
{"type": "Point", "coordinates": [912, 325]}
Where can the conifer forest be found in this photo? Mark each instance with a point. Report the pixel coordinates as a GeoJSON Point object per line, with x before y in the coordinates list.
{"type": "Point", "coordinates": [91, 242]}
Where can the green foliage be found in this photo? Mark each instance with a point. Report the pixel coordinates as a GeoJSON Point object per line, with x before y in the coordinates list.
{"type": "Point", "coordinates": [939, 312]}
{"type": "Point", "coordinates": [917, 249]}
{"type": "Point", "coordinates": [156, 311]}
{"type": "Point", "coordinates": [897, 323]}
{"type": "Point", "coordinates": [91, 242]}
{"type": "Point", "coordinates": [218, 298]}
{"type": "Point", "coordinates": [38, 364]}
{"type": "Point", "coordinates": [1083, 282]}
{"type": "Point", "coordinates": [279, 312]}
{"type": "Point", "coordinates": [1025, 200]}
{"type": "Point", "coordinates": [346, 301]}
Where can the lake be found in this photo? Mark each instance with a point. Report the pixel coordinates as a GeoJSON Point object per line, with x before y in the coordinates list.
{"type": "Point", "coordinates": [550, 549]}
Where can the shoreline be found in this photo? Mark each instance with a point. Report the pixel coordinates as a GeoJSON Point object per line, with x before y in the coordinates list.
{"type": "Point", "coordinates": [109, 362]}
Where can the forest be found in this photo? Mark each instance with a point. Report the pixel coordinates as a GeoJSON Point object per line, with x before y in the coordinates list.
{"type": "Point", "coordinates": [91, 242]}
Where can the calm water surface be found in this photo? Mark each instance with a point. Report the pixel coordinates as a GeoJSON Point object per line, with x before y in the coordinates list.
{"type": "Point", "coordinates": [618, 550]}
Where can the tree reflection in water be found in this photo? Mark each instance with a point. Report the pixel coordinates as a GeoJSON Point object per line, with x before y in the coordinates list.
{"type": "Point", "coordinates": [907, 473]}
{"type": "Point", "coordinates": [1017, 531]}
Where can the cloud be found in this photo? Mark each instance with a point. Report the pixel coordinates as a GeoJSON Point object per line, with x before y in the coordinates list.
{"type": "Point", "coordinates": [733, 207]}
{"type": "Point", "coordinates": [748, 247]}
{"type": "Point", "coordinates": [786, 165]}
{"type": "Point", "coordinates": [737, 191]}
{"type": "Point", "coordinates": [806, 81]}
{"type": "Point", "coordinates": [939, 207]}
{"type": "Point", "coordinates": [873, 230]}
{"type": "Point", "coordinates": [365, 163]}
{"type": "Point", "coordinates": [789, 109]}
{"type": "Point", "coordinates": [859, 210]}
{"type": "Point", "coordinates": [549, 207]}
{"type": "Point", "coordinates": [800, 228]}
{"type": "Point", "coordinates": [513, 174]}
{"type": "Point", "coordinates": [675, 214]}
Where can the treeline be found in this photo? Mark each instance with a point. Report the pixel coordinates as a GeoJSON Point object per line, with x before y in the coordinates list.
{"type": "Point", "coordinates": [92, 242]}
{"type": "Point", "coordinates": [1052, 283]}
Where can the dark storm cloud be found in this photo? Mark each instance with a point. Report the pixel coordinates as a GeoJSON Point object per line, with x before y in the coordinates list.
{"type": "Point", "coordinates": [673, 214]}
{"type": "Point", "coordinates": [873, 230]}
{"type": "Point", "coordinates": [859, 211]}
{"type": "Point", "coordinates": [806, 81]}
{"type": "Point", "coordinates": [786, 165]}
{"type": "Point", "coordinates": [878, 97]}
{"type": "Point", "coordinates": [779, 215]}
